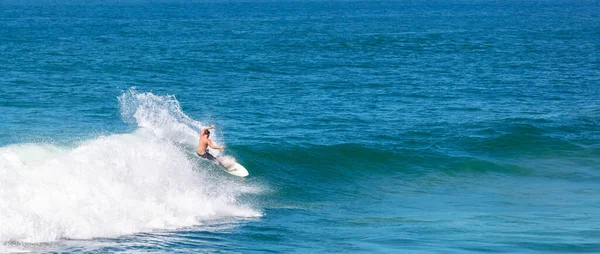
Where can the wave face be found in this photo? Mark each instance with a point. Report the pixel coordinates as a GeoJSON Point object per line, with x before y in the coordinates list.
{"type": "Point", "coordinates": [116, 184]}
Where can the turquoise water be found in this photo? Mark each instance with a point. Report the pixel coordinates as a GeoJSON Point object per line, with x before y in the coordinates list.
{"type": "Point", "coordinates": [367, 126]}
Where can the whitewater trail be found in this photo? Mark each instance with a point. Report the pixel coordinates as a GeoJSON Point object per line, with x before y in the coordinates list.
{"type": "Point", "coordinates": [116, 184]}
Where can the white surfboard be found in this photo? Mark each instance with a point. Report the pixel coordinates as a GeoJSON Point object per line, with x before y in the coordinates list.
{"type": "Point", "coordinates": [236, 170]}
{"type": "Point", "coordinates": [231, 166]}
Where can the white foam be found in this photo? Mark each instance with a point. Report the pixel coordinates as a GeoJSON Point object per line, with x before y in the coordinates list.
{"type": "Point", "coordinates": [10, 249]}
{"type": "Point", "coordinates": [164, 116]}
{"type": "Point", "coordinates": [117, 184]}
{"type": "Point", "coordinates": [226, 161]}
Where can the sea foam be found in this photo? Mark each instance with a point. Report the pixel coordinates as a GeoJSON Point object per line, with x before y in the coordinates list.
{"type": "Point", "coordinates": [115, 184]}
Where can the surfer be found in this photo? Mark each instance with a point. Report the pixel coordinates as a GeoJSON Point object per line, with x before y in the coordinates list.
{"type": "Point", "coordinates": [227, 163]}
{"type": "Point", "coordinates": [204, 142]}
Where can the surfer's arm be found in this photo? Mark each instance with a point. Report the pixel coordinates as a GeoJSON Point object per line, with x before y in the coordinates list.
{"type": "Point", "coordinates": [207, 128]}
{"type": "Point", "coordinates": [214, 146]}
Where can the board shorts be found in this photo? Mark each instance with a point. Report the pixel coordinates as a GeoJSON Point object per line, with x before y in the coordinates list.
{"type": "Point", "coordinates": [207, 156]}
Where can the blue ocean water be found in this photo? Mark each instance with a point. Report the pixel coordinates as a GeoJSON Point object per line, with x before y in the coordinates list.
{"type": "Point", "coordinates": [367, 126]}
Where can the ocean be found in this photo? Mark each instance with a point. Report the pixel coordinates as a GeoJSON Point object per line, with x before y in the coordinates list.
{"type": "Point", "coordinates": [460, 126]}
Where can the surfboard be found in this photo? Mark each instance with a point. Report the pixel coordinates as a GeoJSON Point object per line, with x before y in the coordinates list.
{"type": "Point", "coordinates": [236, 169]}
{"type": "Point", "coordinates": [231, 166]}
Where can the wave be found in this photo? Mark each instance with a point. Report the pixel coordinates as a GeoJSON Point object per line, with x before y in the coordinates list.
{"type": "Point", "coordinates": [353, 162]}
{"type": "Point", "coordinates": [150, 179]}
{"type": "Point", "coordinates": [116, 184]}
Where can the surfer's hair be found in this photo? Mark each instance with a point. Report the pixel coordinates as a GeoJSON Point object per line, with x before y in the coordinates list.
{"type": "Point", "coordinates": [206, 132]}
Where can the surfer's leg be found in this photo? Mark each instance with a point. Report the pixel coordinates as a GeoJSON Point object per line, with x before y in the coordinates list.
{"type": "Point", "coordinates": [209, 156]}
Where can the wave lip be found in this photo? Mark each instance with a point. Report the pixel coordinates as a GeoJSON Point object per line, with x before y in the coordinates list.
{"type": "Point", "coordinates": [161, 114]}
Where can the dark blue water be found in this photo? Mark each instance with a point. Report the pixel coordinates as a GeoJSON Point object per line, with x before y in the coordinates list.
{"type": "Point", "coordinates": [366, 126]}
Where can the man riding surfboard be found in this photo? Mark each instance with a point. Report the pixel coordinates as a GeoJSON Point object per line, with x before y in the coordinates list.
{"type": "Point", "coordinates": [228, 164]}
{"type": "Point", "coordinates": [204, 142]}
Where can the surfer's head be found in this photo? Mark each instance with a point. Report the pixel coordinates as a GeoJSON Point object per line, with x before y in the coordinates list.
{"type": "Point", "coordinates": [206, 132]}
